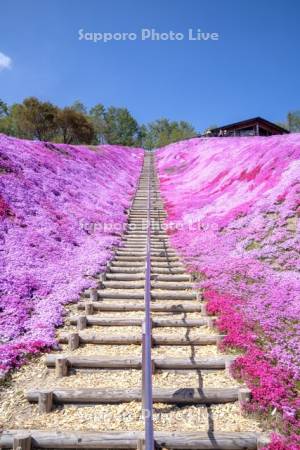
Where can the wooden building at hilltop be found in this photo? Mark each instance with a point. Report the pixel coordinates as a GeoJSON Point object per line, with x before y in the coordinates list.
{"type": "Point", "coordinates": [250, 127]}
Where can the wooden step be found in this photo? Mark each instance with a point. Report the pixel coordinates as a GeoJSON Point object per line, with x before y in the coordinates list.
{"type": "Point", "coordinates": [172, 278]}
{"type": "Point", "coordinates": [130, 439]}
{"type": "Point", "coordinates": [143, 234]}
{"type": "Point", "coordinates": [154, 259]}
{"type": "Point", "coordinates": [132, 250]}
{"type": "Point", "coordinates": [136, 216]}
{"type": "Point", "coordinates": [143, 237]}
{"type": "Point", "coordinates": [154, 264]}
{"type": "Point", "coordinates": [143, 208]}
{"type": "Point", "coordinates": [139, 294]}
{"type": "Point", "coordinates": [182, 396]}
{"type": "Point", "coordinates": [126, 251]}
{"type": "Point", "coordinates": [167, 270]}
{"type": "Point", "coordinates": [125, 276]}
{"type": "Point", "coordinates": [156, 219]}
{"type": "Point", "coordinates": [166, 264]}
{"type": "Point", "coordinates": [155, 216]}
{"type": "Point", "coordinates": [140, 212]}
{"type": "Point", "coordinates": [140, 244]}
{"type": "Point", "coordinates": [136, 322]}
{"type": "Point", "coordinates": [136, 247]}
{"type": "Point", "coordinates": [141, 276]}
{"type": "Point", "coordinates": [125, 269]}
{"type": "Point", "coordinates": [142, 240]}
{"type": "Point", "coordinates": [100, 339]}
{"type": "Point", "coordinates": [155, 307]}
{"type": "Point", "coordinates": [140, 216]}
{"type": "Point", "coordinates": [132, 260]}
{"type": "Point", "coordinates": [168, 285]}
{"type": "Point", "coordinates": [141, 226]}
{"type": "Point", "coordinates": [127, 362]}
{"type": "Point", "coordinates": [155, 271]}
{"type": "Point", "coordinates": [157, 249]}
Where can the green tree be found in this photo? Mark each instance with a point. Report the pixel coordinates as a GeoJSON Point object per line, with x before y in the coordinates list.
{"type": "Point", "coordinates": [182, 130]}
{"type": "Point", "coordinates": [4, 117]}
{"type": "Point", "coordinates": [3, 109]}
{"type": "Point", "coordinates": [293, 118]}
{"type": "Point", "coordinates": [142, 137]}
{"type": "Point", "coordinates": [120, 127]}
{"type": "Point", "coordinates": [163, 132]}
{"type": "Point", "coordinates": [97, 117]}
{"type": "Point", "coordinates": [9, 124]}
{"type": "Point", "coordinates": [74, 127]}
{"type": "Point", "coordinates": [79, 107]}
{"type": "Point", "coordinates": [34, 119]}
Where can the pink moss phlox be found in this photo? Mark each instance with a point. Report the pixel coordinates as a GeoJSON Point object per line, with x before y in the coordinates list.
{"type": "Point", "coordinates": [62, 209]}
{"type": "Point", "coordinates": [233, 215]}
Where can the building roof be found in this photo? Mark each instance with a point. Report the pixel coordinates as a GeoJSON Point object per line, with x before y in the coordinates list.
{"type": "Point", "coordinates": [249, 122]}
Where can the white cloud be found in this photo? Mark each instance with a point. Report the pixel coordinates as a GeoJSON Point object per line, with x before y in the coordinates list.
{"type": "Point", "coordinates": [5, 62]}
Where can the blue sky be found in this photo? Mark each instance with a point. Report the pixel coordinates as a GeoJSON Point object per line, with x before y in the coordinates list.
{"type": "Point", "coordinates": [253, 69]}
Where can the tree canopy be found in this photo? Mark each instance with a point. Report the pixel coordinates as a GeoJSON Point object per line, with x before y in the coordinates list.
{"type": "Point", "coordinates": [36, 119]}
{"type": "Point", "coordinates": [293, 121]}
{"type": "Point", "coordinates": [76, 124]}
{"type": "Point", "coordinates": [44, 121]}
{"type": "Point", "coordinates": [74, 127]}
{"type": "Point", "coordinates": [3, 109]}
{"type": "Point", "coordinates": [121, 128]}
{"type": "Point", "coordinates": [163, 131]}
{"type": "Point", "coordinates": [98, 119]}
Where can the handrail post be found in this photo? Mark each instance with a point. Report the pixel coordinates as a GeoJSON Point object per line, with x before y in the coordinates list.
{"type": "Point", "coordinates": [147, 399]}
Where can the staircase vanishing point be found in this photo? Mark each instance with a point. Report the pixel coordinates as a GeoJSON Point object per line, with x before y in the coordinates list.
{"type": "Point", "coordinates": [122, 289]}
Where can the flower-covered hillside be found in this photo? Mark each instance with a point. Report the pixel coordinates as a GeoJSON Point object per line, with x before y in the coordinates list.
{"type": "Point", "coordinates": [233, 214]}
{"type": "Point", "coordinates": [62, 209]}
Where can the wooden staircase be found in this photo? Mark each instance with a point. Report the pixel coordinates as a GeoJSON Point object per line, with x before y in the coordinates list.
{"type": "Point", "coordinates": [121, 289]}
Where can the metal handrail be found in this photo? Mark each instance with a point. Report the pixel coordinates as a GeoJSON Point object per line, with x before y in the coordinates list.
{"type": "Point", "coordinates": [147, 398]}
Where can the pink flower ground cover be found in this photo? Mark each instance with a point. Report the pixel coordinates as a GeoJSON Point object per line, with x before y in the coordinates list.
{"type": "Point", "coordinates": [62, 208]}
{"type": "Point", "coordinates": [233, 214]}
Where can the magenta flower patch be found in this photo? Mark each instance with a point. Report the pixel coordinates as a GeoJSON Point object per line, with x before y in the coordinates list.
{"type": "Point", "coordinates": [62, 208]}
{"type": "Point", "coordinates": [233, 214]}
